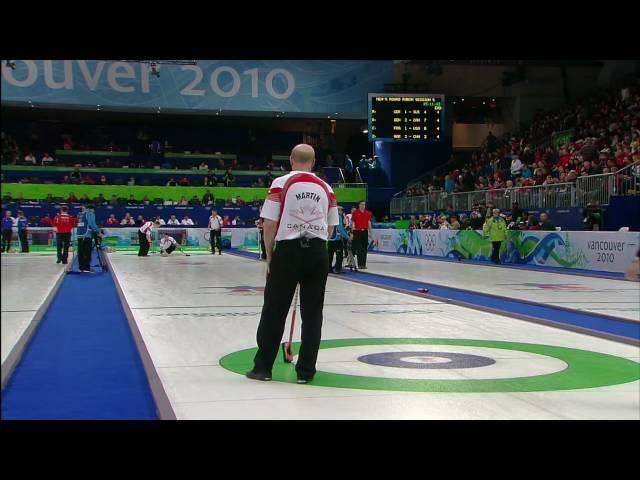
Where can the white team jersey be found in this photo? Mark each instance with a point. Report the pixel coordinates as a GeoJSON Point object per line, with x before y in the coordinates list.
{"type": "Point", "coordinates": [187, 222]}
{"type": "Point", "coordinates": [302, 204]}
{"type": "Point", "coordinates": [173, 222]}
{"type": "Point", "coordinates": [146, 228]}
{"type": "Point", "coordinates": [215, 223]}
{"type": "Point", "coordinates": [167, 242]}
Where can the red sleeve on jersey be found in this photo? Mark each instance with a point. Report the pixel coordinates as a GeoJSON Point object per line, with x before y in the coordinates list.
{"type": "Point", "coordinates": [274, 194]}
{"type": "Point", "coordinates": [332, 200]}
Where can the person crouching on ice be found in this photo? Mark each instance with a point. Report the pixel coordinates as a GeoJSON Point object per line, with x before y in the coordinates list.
{"type": "Point", "coordinates": [167, 245]}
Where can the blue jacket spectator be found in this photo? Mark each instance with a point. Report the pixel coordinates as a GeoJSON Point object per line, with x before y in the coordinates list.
{"type": "Point", "coordinates": [339, 233]}
{"type": "Point", "coordinates": [7, 223]}
{"type": "Point", "coordinates": [449, 184]}
{"type": "Point", "coordinates": [22, 223]}
{"type": "Point", "coordinates": [87, 224]}
{"type": "Point", "coordinates": [348, 164]}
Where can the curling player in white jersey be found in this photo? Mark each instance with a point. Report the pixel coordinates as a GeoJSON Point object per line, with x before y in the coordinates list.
{"type": "Point", "coordinates": [300, 213]}
{"type": "Point", "coordinates": [145, 238]}
{"type": "Point", "coordinates": [167, 244]}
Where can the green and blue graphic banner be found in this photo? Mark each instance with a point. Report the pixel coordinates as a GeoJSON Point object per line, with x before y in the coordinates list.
{"type": "Point", "coordinates": [603, 251]}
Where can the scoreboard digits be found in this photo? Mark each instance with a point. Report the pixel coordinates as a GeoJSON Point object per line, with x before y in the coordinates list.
{"type": "Point", "coordinates": [406, 117]}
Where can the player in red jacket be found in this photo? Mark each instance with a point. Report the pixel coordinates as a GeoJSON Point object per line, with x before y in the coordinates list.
{"type": "Point", "coordinates": [63, 225]}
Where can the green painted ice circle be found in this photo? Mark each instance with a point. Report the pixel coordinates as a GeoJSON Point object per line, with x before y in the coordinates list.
{"type": "Point", "coordinates": [585, 369]}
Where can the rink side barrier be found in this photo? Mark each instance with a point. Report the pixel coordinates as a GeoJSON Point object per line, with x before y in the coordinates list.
{"type": "Point", "coordinates": [562, 250]}
{"type": "Point", "coordinates": [595, 251]}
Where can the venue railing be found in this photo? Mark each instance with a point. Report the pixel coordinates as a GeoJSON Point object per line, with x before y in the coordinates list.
{"type": "Point", "coordinates": [590, 189]}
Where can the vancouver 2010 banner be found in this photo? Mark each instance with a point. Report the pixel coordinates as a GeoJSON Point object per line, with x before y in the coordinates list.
{"type": "Point", "coordinates": [605, 251]}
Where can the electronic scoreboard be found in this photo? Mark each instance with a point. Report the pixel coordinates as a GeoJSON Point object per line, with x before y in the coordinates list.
{"type": "Point", "coordinates": [406, 117]}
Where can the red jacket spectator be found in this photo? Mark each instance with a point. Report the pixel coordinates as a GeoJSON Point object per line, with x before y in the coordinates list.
{"type": "Point", "coordinates": [46, 220]}
{"type": "Point", "coordinates": [226, 222]}
{"type": "Point", "coordinates": [112, 220]}
{"type": "Point", "coordinates": [621, 156]}
{"type": "Point", "coordinates": [360, 220]}
{"type": "Point", "coordinates": [185, 182]}
{"type": "Point", "coordinates": [64, 222]}
{"type": "Point", "coordinates": [564, 160]}
{"type": "Point", "coordinates": [72, 198]}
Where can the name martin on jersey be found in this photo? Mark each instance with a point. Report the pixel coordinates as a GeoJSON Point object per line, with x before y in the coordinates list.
{"type": "Point", "coordinates": [311, 195]}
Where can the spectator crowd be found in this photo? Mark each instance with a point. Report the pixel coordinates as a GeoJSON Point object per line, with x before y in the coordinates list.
{"type": "Point", "coordinates": [113, 222]}
{"type": "Point", "coordinates": [207, 200]}
{"type": "Point", "coordinates": [213, 178]}
{"type": "Point", "coordinates": [517, 219]}
{"type": "Point", "coordinates": [603, 137]}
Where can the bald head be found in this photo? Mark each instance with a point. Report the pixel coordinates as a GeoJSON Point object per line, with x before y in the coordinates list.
{"type": "Point", "coordinates": [302, 157]}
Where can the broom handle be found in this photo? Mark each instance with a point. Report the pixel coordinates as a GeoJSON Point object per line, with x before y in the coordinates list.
{"type": "Point", "coordinates": [293, 317]}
